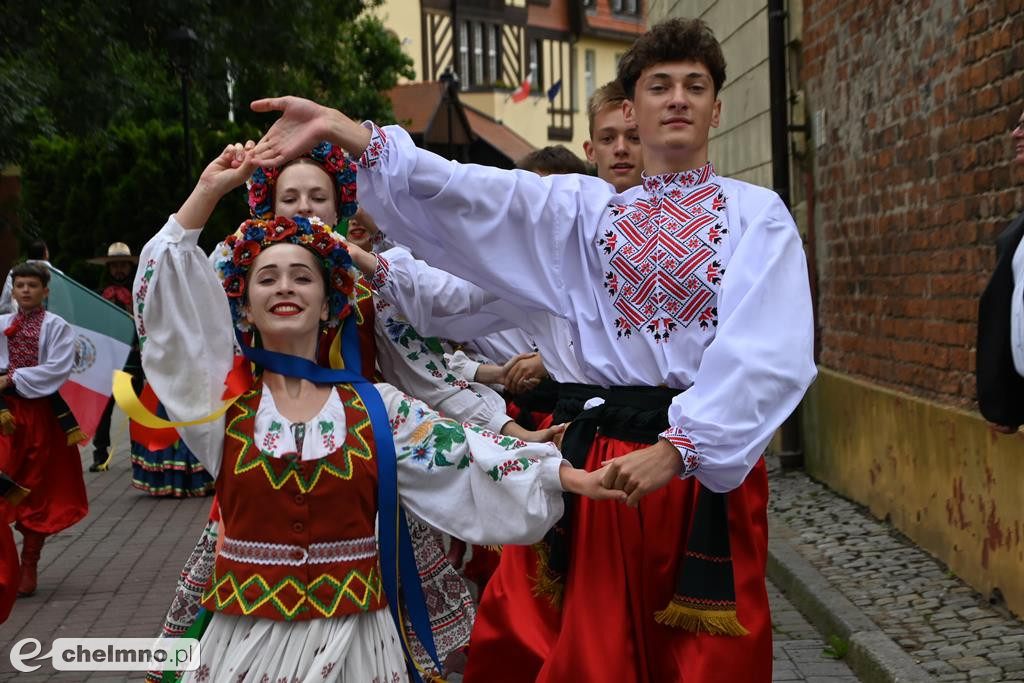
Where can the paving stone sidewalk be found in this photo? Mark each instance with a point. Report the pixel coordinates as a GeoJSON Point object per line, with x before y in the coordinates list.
{"type": "Point", "coordinates": [946, 626]}
{"type": "Point", "coordinates": [113, 575]}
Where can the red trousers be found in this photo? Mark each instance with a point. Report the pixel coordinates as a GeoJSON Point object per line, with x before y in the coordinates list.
{"type": "Point", "coordinates": [38, 457]}
{"type": "Point", "coordinates": [622, 570]}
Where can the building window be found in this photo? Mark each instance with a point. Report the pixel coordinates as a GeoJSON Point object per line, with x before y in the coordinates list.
{"type": "Point", "coordinates": [492, 53]}
{"type": "Point", "coordinates": [464, 75]}
{"type": "Point", "coordinates": [478, 54]}
{"type": "Point", "coordinates": [589, 73]}
{"type": "Point", "coordinates": [536, 67]}
{"type": "Point", "coordinates": [630, 7]}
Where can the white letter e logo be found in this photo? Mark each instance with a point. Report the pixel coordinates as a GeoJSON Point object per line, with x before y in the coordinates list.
{"type": "Point", "coordinates": [18, 657]}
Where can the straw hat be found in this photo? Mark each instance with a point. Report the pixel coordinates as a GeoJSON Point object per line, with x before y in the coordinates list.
{"type": "Point", "coordinates": [118, 251]}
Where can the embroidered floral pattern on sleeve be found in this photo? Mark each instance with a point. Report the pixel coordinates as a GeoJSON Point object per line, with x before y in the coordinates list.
{"type": "Point", "coordinates": [663, 270]}
{"type": "Point", "coordinates": [691, 458]}
{"type": "Point", "coordinates": [140, 298]}
{"type": "Point", "coordinates": [380, 273]}
{"type": "Point", "coordinates": [428, 439]}
{"type": "Point", "coordinates": [375, 149]}
{"type": "Point", "coordinates": [425, 352]}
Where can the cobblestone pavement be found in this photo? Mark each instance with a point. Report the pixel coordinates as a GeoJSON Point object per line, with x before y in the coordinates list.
{"type": "Point", "coordinates": [951, 630]}
{"type": "Point", "coordinates": [113, 575]}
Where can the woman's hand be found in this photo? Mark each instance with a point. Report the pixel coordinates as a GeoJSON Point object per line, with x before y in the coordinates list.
{"type": "Point", "coordinates": [303, 125]}
{"type": "Point", "coordinates": [364, 260]}
{"type": "Point", "coordinates": [588, 484]}
{"type": "Point", "coordinates": [229, 170]}
{"type": "Point", "coordinates": [553, 433]}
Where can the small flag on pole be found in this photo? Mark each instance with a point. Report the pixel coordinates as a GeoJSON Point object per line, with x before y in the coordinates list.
{"type": "Point", "coordinates": [522, 92]}
{"type": "Point", "coordinates": [554, 90]}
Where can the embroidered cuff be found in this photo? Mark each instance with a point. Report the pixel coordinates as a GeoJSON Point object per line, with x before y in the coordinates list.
{"type": "Point", "coordinates": [375, 149]}
{"type": "Point", "coordinates": [380, 273]}
{"type": "Point", "coordinates": [678, 438]}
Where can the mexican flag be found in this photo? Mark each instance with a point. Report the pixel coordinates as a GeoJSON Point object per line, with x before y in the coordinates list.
{"type": "Point", "coordinates": [103, 339]}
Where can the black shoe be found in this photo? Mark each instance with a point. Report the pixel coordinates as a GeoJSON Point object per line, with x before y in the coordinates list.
{"type": "Point", "coordinates": [100, 461]}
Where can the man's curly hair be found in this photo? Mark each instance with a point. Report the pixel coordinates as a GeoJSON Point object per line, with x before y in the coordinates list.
{"type": "Point", "coordinates": [673, 40]}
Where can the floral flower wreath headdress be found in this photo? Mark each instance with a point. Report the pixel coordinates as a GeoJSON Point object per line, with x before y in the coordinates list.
{"type": "Point", "coordinates": [330, 158]}
{"type": "Point", "coordinates": [235, 255]}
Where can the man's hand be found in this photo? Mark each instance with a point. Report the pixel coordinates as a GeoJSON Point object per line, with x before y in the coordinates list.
{"type": "Point", "coordinates": [5, 381]}
{"type": "Point", "coordinates": [588, 484]}
{"type": "Point", "coordinates": [525, 373]}
{"type": "Point", "coordinates": [643, 471]}
{"type": "Point", "coordinates": [302, 126]}
{"type": "Point", "coordinates": [488, 373]}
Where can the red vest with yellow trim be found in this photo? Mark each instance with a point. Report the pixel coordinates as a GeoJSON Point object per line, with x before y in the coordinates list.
{"type": "Point", "coordinates": [299, 536]}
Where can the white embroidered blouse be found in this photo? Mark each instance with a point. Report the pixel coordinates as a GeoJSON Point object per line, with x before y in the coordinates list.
{"type": "Point", "coordinates": [694, 281]}
{"type": "Point", "coordinates": [56, 357]}
{"type": "Point", "coordinates": [463, 480]}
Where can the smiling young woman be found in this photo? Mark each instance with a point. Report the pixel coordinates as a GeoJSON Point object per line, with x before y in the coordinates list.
{"type": "Point", "coordinates": [300, 458]}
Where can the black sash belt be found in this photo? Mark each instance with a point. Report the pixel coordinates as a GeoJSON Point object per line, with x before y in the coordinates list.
{"type": "Point", "coordinates": [705, 595]}
{"type": "Point", "coordinates": [542, 399]}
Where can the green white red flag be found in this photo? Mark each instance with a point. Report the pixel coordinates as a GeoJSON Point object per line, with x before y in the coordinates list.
{"type": "Point", "coordinates": [103, 339]}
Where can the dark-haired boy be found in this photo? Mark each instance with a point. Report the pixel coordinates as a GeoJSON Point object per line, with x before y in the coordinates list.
{"type": "Point", "coordinates": [690, 307]}
{"type": "Point", "coordinates": [37, 352]}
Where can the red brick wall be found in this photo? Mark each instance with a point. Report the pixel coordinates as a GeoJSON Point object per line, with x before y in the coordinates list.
{"type": "Point", "coordinates": [914, 181]}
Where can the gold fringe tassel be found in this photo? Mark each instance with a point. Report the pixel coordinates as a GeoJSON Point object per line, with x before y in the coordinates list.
{"type": "Point", "coordinates": [16, 494]}
{"type": "Point", "coordinates": [6, 422]}
{"type": "Point", "coordinates": [494, 548]}
{"type": "Point", "coordinates": [546, 584]}
{"type": "Point", "coordinates": [76, 436]}
{"type": "Point", "coordinates": [715, 622]}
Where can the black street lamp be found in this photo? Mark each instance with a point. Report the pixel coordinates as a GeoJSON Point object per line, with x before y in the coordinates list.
{"type": "Point", "coordinates": [183, 41]}
{"type": "Point", "coordinates": [450, 81]}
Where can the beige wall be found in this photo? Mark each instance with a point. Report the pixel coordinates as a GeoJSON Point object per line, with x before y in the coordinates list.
{"type": "Point", "coordinates": [741, 146]}
{"type": "Point", "coordinates": [403, 17]}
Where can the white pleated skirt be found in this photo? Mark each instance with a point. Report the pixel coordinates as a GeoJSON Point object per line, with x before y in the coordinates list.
{"type": "Point", "coordinates": [361, 648]}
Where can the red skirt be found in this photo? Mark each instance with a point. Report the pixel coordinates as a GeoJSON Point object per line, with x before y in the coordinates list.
{"type": "Point", "coordinates": [622, 570]}
{"type": "Point", "coordinates": [10, 571]}
{"type": "Point", "coordinates": [38, 457]}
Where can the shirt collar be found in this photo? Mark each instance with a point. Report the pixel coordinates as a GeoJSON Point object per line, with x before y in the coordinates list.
{"type": "Point", "coordinates": [664, 182]}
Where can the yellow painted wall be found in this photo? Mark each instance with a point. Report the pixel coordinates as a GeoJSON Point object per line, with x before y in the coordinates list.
{"type": "Point", "coordinates": [938, 473]}
{"type": "Point", "coordinates": [403, 17]}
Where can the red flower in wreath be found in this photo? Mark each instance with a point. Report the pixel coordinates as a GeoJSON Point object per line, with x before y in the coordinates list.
{"type": "Point", "coordinates": [342, 281]}
{"type": "Point", "coordinates": [348, 192]}
{"type": "Point", "coordinates": [234, 286]}
{"type": "Point", "coordinates": [323, 243]}
{"type": "Point", "coordinates": [257, 194]}
{"type": "Point", "coordinates": [246, 252]}
{"type": "Point", "coordinates": [280, 229]}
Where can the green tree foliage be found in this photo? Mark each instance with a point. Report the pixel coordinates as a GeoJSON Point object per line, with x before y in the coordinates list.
{"type": "Point", "coordinates": [90, 102]}
{"type": "Point", "coordinates": [70, 67]}
{"type": "Point", "coordinates": [118, 184]}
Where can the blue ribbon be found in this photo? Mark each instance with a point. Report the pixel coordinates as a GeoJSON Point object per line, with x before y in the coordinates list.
{"type": "Point", "coordinates": [396, 554]}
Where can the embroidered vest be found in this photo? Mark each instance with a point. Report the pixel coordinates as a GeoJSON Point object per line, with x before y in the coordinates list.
{"type": "Point", "coordinates": [299, 538]}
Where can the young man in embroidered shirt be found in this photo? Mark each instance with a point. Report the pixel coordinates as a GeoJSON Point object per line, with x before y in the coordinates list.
{"type": "Point", "coordinates": [37, 351]}
{"type": "Point", "coordinates": [690, 306]}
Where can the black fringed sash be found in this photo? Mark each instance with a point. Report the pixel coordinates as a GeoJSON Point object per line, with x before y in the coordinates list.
{"type": "Point", "coordinates": [10, 490]}
{"type": "Point", "coordinates": [705, 595]}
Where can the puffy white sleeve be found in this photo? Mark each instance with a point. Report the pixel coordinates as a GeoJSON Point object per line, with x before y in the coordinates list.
{"type": "Point", "coordinates": [471, 483]}
{"type": "Point", "coordinates": [438, 303]}
{"type": "Point", "coordinates": [56, 358]}
{"type": "Point", "coordinates": [407, 361]}
{"type": "Point", "coordinates": [534, 228]}
{"type": "Point", "coordinates": [761, 361]}
{"type": "Point", "coordinates": [7, 304]}
{"type": "Point", "coordinates": [188, 342]}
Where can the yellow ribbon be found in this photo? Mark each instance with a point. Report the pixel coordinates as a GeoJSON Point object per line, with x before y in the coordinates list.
{"type": "Point", "coordinates": [129, 402]}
